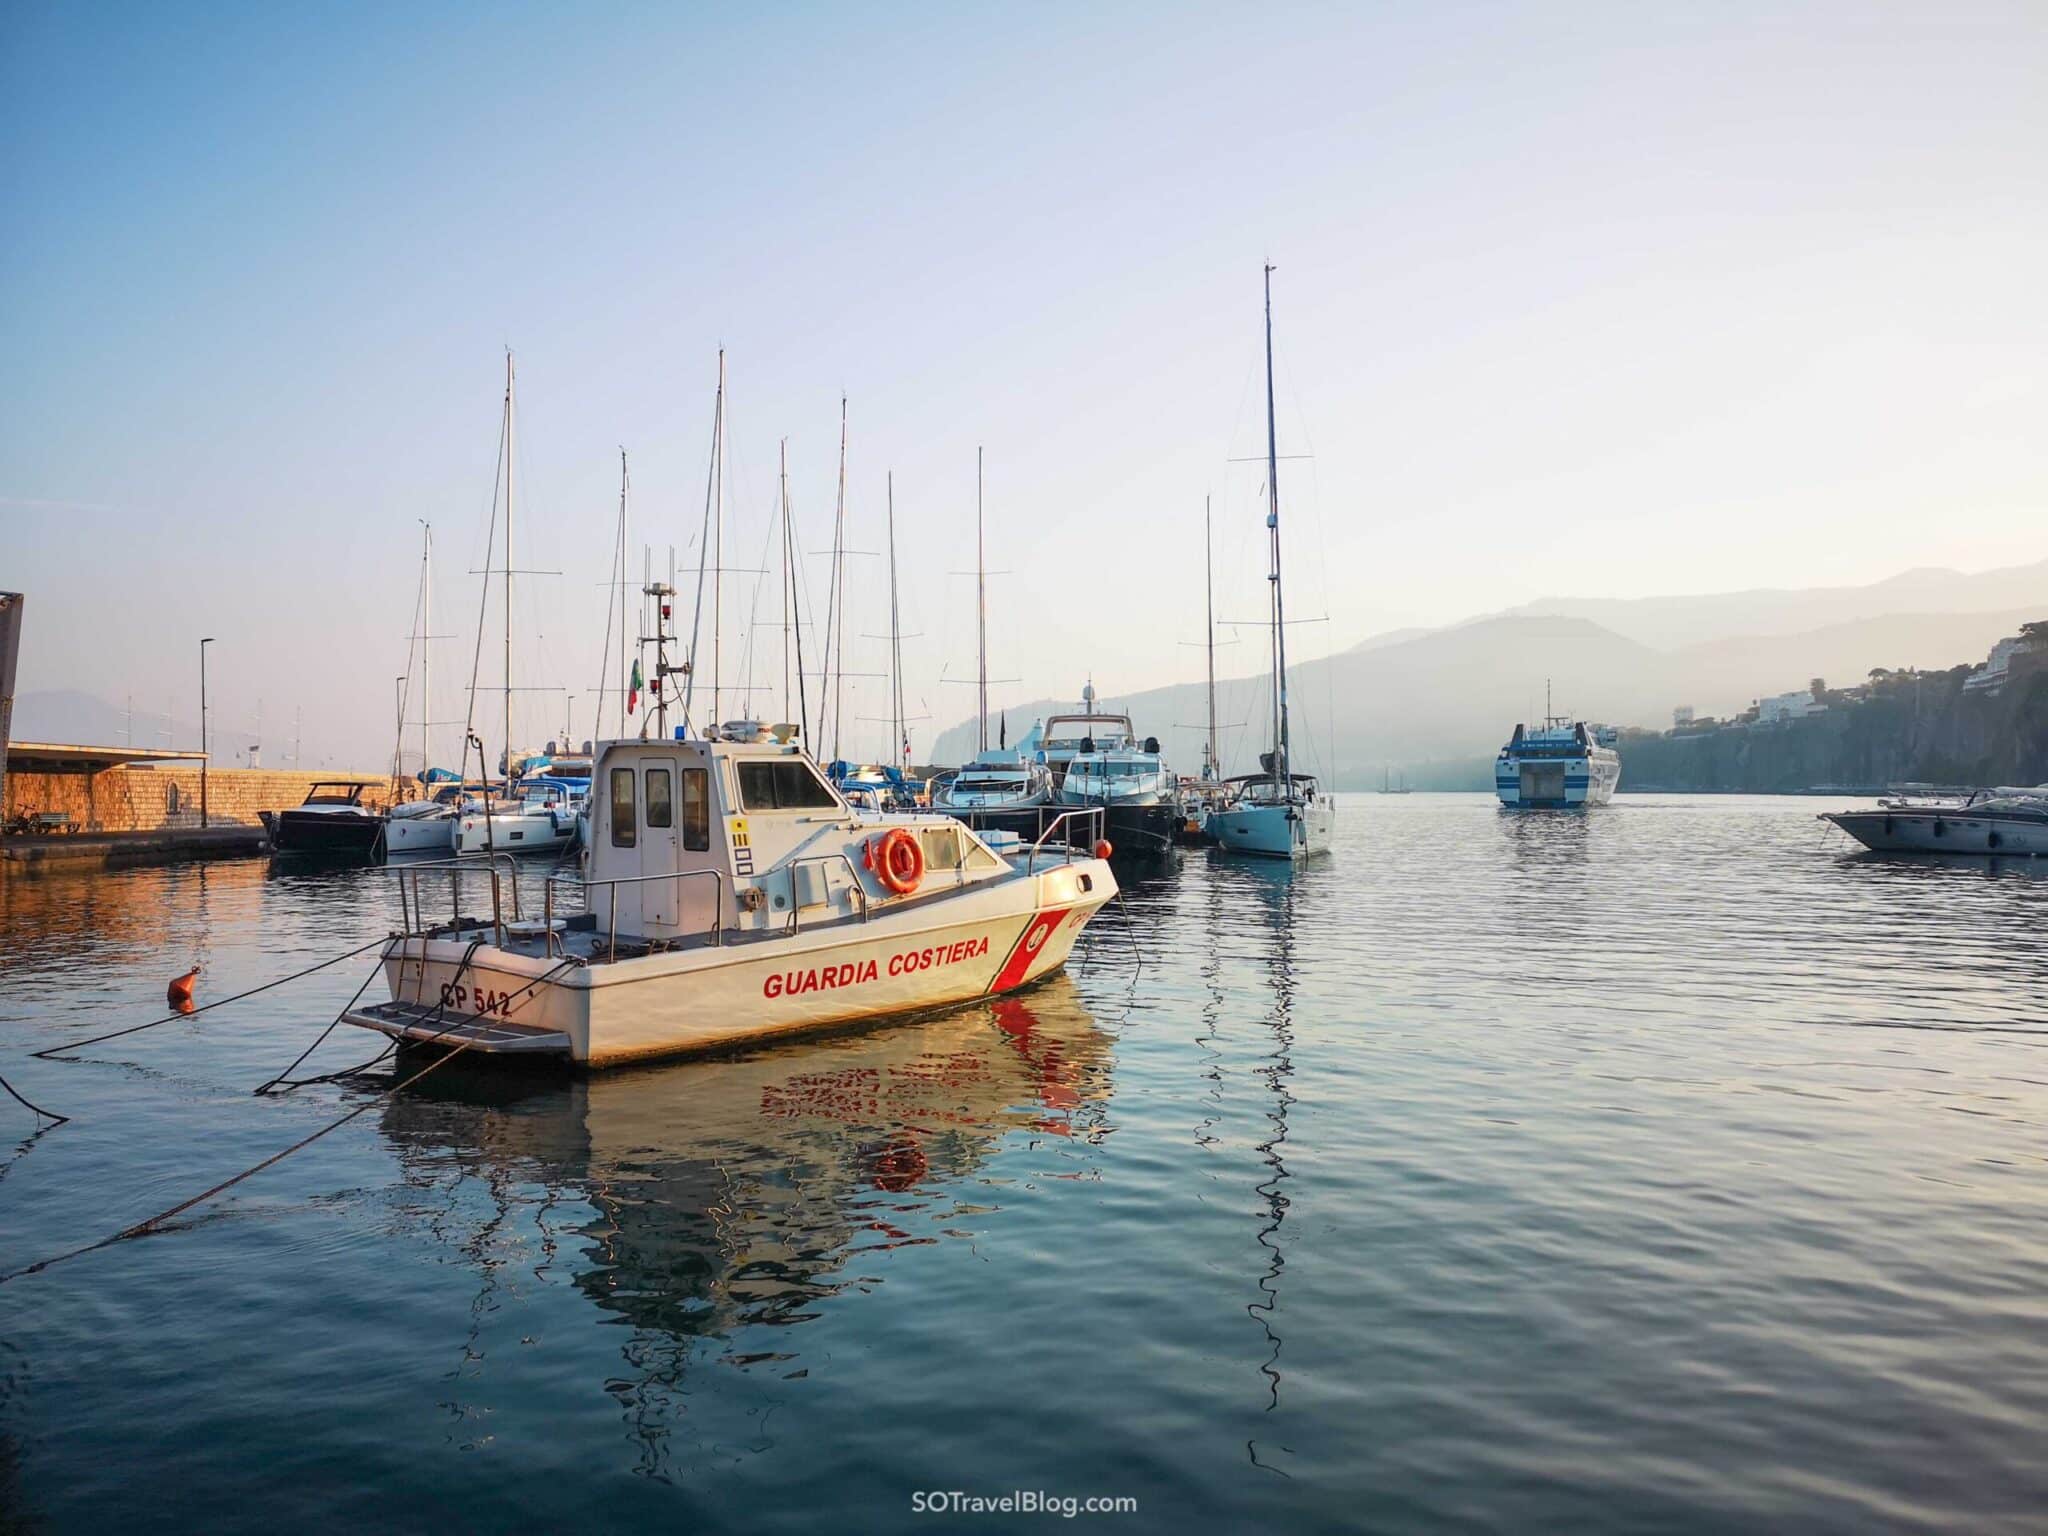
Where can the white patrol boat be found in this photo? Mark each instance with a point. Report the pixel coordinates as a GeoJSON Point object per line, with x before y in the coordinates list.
{"type": "Point", "coordinates": [730, 896]}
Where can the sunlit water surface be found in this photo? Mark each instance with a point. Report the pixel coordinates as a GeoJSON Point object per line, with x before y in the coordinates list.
{"type": "Point", "coordinates": [1666, 1167]}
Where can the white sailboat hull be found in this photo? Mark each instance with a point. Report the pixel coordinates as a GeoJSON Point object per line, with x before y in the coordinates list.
{"type": "Point", "coordinates": [1275, 831]}
{"type": "Point", "coordinates": [521, 832]}
{"type": "Point", "coordinates": [419, 834]}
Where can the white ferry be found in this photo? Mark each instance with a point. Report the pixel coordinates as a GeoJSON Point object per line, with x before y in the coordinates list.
{"type": "Point", "coordinates": [1562, 765]}
{"type": "Point", "coordinates": [731, 896]}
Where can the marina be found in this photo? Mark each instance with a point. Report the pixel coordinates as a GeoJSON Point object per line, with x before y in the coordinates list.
{"type": "Point", "coordinates": [653, 876]}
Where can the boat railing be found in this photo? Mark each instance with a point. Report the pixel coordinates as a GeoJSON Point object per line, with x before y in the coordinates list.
{"type": "Point", "coordinates": [502, 868]}
{"type": "Point", "coordinates": [795, 906]}
{"type": "Point", "coordinates": [1093, 813]}
{"type": "Point", "coordinates": [716, 933]}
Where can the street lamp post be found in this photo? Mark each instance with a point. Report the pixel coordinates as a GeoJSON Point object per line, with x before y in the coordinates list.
{"type": "Point", "coordinates": [203, 644]}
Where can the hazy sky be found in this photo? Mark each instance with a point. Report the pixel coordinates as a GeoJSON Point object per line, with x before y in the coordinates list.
{"type": "Point", "coordinates": [1598, 300]}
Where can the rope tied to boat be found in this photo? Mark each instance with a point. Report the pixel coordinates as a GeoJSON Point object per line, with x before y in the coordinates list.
{"type": "Point", "coordinates": [54, 1051]}
{"type": "Point", "coordinates": [153, 1223]}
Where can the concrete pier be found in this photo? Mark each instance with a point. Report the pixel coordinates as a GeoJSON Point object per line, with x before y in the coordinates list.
{"type": "Point", "coordinates": [29, 853]}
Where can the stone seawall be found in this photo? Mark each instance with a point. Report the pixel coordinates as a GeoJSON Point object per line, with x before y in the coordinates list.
{"type": "Point", "coordinates": [166, 795]}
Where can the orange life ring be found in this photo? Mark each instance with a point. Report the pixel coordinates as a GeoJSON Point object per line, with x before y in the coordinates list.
{"type": "Point", "coordinates": [897, 859]}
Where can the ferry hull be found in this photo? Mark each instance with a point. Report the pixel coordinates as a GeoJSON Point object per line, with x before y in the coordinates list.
{"type": "Point", "coordinates": [1553, 784]}
{"type": "Point", "coordinates": [715, 997]}
{"type": "Point", "coordinates": [1954, 831]}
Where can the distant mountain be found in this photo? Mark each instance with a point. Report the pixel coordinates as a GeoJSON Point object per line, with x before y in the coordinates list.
{"type": "Point", "coordinates": [1670, 622]}
{"type": "Point", "coordinates": [1450, 696]}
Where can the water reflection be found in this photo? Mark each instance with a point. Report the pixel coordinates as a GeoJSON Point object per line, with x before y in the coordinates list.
{"type": "Point", "coordinates": [727, 1196]}
{"type": "Point", "coordinates": [1270, 892]}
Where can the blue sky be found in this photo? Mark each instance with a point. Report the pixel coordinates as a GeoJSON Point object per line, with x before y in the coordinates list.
{"type": "Point", "coordinates": [1599, 300]}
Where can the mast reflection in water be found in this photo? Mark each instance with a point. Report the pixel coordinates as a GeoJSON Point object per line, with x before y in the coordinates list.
{"type": "Point", "coordinates": [731, 1195]}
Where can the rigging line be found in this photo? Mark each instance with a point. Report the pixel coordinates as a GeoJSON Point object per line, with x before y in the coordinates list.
{"type": "Point", "coordinates": [333, 1024]}
{"type": "Point", "coordinates": [172, 1018]}
{"type": "Point", "coordinates": [150, 1224]}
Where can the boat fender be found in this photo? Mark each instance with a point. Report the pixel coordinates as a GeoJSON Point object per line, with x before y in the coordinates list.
{"type": "Point", "coordinates": [1103, 848]}
{"type": "Point", "coordinates": [896, 858]}
{"type": "Point", "coordinates": [1940, 827]}
{"type": "Point", "coordinates": [1992, 840]}
{"type": "Point", "coordinates": [179, 993]}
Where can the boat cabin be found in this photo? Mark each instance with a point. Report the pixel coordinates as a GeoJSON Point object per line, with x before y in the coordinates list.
{"type": "Point", "coordinates": [691, 836]}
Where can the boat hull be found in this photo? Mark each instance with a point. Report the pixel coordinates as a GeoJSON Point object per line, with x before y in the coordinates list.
{"type": "Point", "coordinates": [1556, 784]}
{"type": "Point", "coordinates": [542, 832]}
{"type": "Point", "coordinates": [716, 997]}
{"type": "Point", "coordinates": [1945, 831]}
{"type": "Point", "coordinates": [356, 834]}
{"type": "Point", "coordinates": [1275, 831]}
{"type": "Point", "coordinates": [419, 834]}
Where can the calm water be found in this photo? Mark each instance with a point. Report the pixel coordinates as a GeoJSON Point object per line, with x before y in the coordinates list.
{"type": "Point", "coordinates": [1665, 1167]}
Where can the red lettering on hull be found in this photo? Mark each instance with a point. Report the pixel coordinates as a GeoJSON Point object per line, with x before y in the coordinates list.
{"type": "Point", "coordinates": [855, 973]}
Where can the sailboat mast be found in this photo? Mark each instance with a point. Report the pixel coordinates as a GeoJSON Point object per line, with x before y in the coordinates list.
{"type": "Point", "coordinates": [509, 461]}
{"type": "Point", "coordinates": [836, 641]}
{"type": "Point", "coordinates": [717, 536]}
{"type": "Point", "coordinates": [787, 612]}
{"type": "Point", "coordinates": [980, 605]}
{"type": "Point", "coordinates": [1211, 766]}
{"type": "Point", "coordinates": [625, 672]}
{"type": "Point", "coordinates": [426, 648]}
{"type": "Point", "coordinates": [896, 752]}
{"type": "Point", "coordinates": [1280, 762]}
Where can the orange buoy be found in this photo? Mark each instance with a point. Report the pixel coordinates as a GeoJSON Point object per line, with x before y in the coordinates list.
{"type": "Point", "coordinates": [179, 993]}
{"type": "Point", "coordinates": [897, 858]}
{"type": "Point", "coordinates": [1103, 849]}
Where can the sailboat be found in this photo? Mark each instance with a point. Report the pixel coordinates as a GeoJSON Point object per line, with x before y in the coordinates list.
{"type": "Point", "coordinates": [1278, 813]}
{"type": "Point", "coordinates": [424, 825]}
{"type": "Point", "coordinates": [1002, 788]}
{"type": "Point", "coordinates": [542, 819]}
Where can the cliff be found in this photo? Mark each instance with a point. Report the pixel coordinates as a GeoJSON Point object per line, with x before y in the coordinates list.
{"type": "Point", "coordinates": [1922, 727]}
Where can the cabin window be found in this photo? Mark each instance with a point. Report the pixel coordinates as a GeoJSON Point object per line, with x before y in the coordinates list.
{"type": "Point", "coordinates": [625, 823]}
{"type": "Point", "coordinates": [696, 810]}
{"type": "Point", "coordinates": [941, 847]}
{"type": "Point", "coordinates": [661, 808]}
{"type": "Point", "coordinates": [783, 784]}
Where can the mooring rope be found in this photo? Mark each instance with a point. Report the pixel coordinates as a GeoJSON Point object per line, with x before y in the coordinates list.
{"type": "Point", "coordinates": [150, 1224]}
{"type": "Point", "coordinates": [53, 1118]}
{"type": "Point", "coordinates": [335, 1022]}
{"type": "Point", "coordinates": [172, 1018]}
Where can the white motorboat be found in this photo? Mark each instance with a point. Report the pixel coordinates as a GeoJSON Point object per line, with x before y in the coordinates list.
{"type": "Point", "coordinates": [2012, 821]}
{"type": "Point", "coordinates": [731, 896]}
{"type": "Point", "coordinates": [1096, 759]}
{"type": "Point", "coordinates": [1279, 813]}
{"type": "Point", "coordinates": [422, 826]}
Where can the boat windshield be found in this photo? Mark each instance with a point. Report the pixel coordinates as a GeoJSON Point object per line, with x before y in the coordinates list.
{"type": "Point", "coordinates": [783, 784]}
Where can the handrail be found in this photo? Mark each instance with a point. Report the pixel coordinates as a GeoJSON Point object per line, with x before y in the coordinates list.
{"type": "Point", "coordinates": [824, 858]}
{"type": "Point", "coordinates": [411, 912]}
{"type": "Point", "coordinates": [1093, 813]}
{"type": "Point", "coordinates": [715, 876]}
